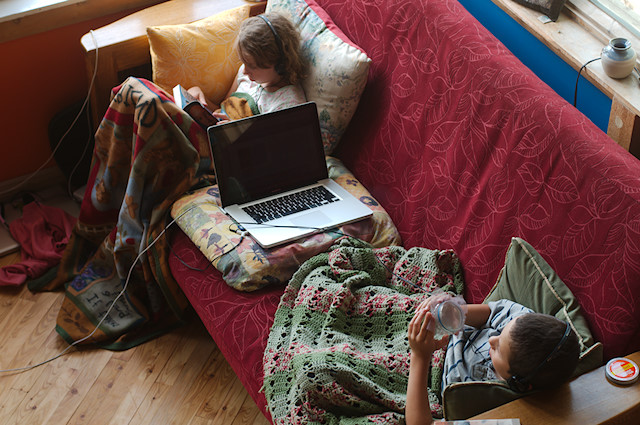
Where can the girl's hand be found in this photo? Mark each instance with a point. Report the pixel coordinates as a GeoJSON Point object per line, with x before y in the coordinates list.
{"type": "Point", "coordinates": [421, 338]}
{"type": "Point", "coordinates": [221, 117]}
{"type": "Point", "coordinates": [197, 92]}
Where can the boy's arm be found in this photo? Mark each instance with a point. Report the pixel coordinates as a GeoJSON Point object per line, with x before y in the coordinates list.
{"type": "Point", "coordinates": [417, 409]}
{"type": "Point", "coordinates": [477, 315]}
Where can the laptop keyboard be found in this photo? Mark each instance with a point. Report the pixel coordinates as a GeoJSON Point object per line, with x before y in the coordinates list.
{"type": "Point", "coordinates": [290, 204]}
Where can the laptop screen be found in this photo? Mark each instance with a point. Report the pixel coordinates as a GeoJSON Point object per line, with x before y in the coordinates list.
{"type": "Point", "coordinates": [267, 154]}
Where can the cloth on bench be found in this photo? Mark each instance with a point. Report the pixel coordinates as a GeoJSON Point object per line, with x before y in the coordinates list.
{"type": "Point", "coordinates": [147, 153]}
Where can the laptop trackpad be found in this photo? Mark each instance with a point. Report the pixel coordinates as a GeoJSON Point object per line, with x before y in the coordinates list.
{"type": "Point", "coordinates": [315, 219]}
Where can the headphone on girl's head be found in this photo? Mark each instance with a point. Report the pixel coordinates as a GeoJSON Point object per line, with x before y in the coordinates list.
{"type": "Point", "coordinates": [279, 66]}
{"type": "Point", "coordinates": [523, 384]}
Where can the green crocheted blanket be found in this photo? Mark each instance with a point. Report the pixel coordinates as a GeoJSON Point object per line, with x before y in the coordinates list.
{"type": "Point", "coordinates": [338, 351]}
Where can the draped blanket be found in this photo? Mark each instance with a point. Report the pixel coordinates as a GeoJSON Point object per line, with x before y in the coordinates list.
{"type": "Point", "coordinates": [338, 349]}
{"type": "Point", "coordinates": [147, 153]}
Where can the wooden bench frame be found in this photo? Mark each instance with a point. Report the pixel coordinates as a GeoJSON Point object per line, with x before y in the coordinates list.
{"type": "Point", "coordinates": [586, 400]}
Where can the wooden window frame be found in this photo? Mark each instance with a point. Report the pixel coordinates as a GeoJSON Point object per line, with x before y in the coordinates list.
{"type": "Point", "coordinates": [38, 20]}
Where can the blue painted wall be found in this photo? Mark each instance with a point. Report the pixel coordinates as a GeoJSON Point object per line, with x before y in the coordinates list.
{"type": "Point", "coordinates": [541, 60]}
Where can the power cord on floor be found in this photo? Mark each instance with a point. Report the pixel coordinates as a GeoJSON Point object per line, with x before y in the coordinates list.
{"type": "Point", "coordinates": [113, 303]}
{"type": "Point", "coordinates": [240, 231]}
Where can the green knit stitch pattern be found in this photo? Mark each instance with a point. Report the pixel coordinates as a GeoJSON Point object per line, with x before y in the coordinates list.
{"type": "Point", "coordinates": [338, 351]}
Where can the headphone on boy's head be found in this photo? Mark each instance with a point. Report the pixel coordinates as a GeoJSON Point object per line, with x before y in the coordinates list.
{"type": "Point", "coordinates": [279, 66]}
{"type": "Point", "coordinates": [522, 384]}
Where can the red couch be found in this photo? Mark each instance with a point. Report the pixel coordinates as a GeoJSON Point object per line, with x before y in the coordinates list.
{"type": "Point", "coordinates": [464, 147]}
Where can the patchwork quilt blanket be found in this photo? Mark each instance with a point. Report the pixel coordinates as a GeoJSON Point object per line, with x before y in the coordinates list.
{"type": "Point", "coordinates": [338, 351]}
{"type": "Point", "coordinates": [119, 290]}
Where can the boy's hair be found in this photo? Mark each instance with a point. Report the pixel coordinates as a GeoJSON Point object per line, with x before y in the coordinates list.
{"type": "Point", "coordinates": [257, 39]}
{"type": "Point", "coordinates": [544, 352]}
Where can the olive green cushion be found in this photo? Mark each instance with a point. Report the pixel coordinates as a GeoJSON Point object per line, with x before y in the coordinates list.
{"type": "Point", "coordinates": [527, 279]}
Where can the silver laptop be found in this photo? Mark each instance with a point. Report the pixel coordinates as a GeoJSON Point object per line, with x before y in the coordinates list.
{"type": "Point", "coordinates": [272, 176]}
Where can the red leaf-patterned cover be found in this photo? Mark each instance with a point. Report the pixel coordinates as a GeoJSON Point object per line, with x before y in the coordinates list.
{"type": "Point", "coordinates": [465, 148]}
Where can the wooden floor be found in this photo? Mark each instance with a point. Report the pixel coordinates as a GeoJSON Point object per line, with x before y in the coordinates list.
{"type": "Point", "coordinates": [179, 378]}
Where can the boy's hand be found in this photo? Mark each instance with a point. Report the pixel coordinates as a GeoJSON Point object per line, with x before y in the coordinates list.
{"type": "Point", "coordinates": [417, 410]}
{"type": "Point", "coordinates": [433, 299]}
{"type": "Point", "coordinates": [421, 338]}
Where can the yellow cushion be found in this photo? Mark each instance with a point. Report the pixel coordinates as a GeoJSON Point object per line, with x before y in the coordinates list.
{"type": "Point", "coordinates": [198, 54]}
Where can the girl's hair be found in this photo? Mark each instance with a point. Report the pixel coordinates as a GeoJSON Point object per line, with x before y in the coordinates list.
{"type": "Point", "coordinates": [540, 354]}
{"type": "Point", "coordinates": [257, 40]}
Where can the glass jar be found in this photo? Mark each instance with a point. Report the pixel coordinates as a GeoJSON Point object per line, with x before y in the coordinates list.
{"type": "Point", "coordinates": [448, 318]}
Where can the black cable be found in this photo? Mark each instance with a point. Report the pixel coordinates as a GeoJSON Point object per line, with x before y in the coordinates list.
{"type": "Point", "coordinates": [240, 230]}
{"type": "Point", "coordinates": [575, 93]}
{"type": "Point", "coordinates": [187, 265]}
{"type": "Point", "coordinates": [210, 262]}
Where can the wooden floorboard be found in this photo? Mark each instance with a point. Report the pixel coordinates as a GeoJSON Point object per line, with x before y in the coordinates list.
{"type": "Point", "coordinates": [179, 378]}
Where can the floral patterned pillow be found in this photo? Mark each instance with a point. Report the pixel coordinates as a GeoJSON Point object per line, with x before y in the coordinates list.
{"type": "Point", "coordinates": [338, 68]}
{"type": "Point", "coordinates": [244, 264]}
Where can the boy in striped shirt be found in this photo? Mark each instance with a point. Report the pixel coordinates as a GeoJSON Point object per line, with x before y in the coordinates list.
{"type": "Point", "coordinates": [501, 340]}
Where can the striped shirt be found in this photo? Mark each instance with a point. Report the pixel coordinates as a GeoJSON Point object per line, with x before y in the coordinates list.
{"type": "Point", "coordinates": [467, 357]}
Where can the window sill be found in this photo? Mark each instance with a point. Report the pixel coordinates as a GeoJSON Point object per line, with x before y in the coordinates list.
{"type": "Point", "coordinates": [576, 46]}
{"type": "Point", "coordinates": [18, 21]}
{"type": "Point", "coordinates": [11, 10]}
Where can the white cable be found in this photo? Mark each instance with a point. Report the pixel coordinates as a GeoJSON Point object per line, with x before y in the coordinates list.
{"type": "Point", "coordinates": [55, 150]}
{"type": "Point", "coordinates": [126, 284]}
{"type": "Point", "coordinates": [124, 289]}
{"type": "Point", "coordinates": [19, 185]}
{"type": "Point", "coordinates": [84, 152]}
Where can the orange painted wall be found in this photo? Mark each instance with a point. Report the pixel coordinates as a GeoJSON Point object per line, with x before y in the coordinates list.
{"type": "Point", "coordinates": [41, 75]}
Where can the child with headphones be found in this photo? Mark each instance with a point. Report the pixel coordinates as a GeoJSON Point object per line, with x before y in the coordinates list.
{"type": "Point", "coordinates": [272, 66]}
{"type": "Point", "coordinates": [502, 340]}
